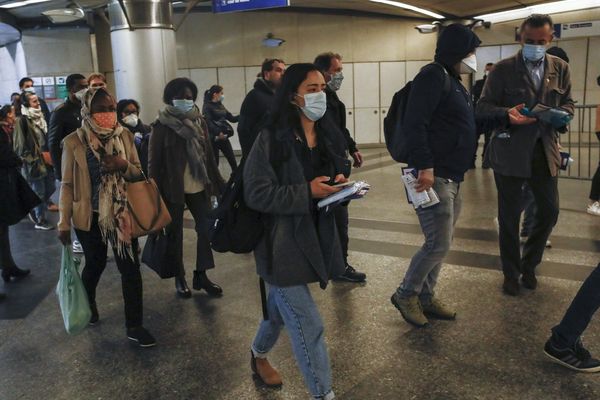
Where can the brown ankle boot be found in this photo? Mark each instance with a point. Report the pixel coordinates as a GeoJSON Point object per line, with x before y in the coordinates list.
{"type": "Point", "coordinates": [265, 372]}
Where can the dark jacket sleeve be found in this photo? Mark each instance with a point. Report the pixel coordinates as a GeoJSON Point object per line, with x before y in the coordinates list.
{"type": "Point", "coordinates": [45, 110]}
{"type": "Point", "coordinates": [8, 158]}
{"type": "Point", "coordinates": [425, 95]}
{"type": "Point", "coordinates": [155, 155]}
{"type": "Point", "coordinates": [250, 115]}
{"type": "Point", "coordinates": [213, 128]}
{"type": "Point", "coordinates": [232, 118]}
{"type": "Point", "coordinates": [262, 190]}
{"type": "Point", "coordinates": [491, 96]}
{"type": "Point", "coordinates": [55, 133]}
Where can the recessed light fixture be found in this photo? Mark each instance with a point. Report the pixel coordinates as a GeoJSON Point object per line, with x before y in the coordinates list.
{"type": "Point", "coordinates": [65, 15]}
{"type": "Point", "coordinates": [546, 8]}
{"type": "Point", "coordinates": [22, 3]}
{"type": "Point", "coordinates": [409, 7]}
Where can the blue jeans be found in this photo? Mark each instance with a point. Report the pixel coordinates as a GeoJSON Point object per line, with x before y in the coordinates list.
{"type": "Point", "coordinates": [44, 188]}
{"type": "Point", "coordinates": [437, 223]}
{"type": "Point", "coordinates": [580, 312]}
{"type": "Point", "coordinates": [295, 308]}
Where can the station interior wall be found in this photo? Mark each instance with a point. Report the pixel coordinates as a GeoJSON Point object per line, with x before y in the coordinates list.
{"type": "Point", "coordinates": [380, 55]}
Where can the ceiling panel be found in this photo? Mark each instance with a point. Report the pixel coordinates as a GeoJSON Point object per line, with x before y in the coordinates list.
{"type": "Point", "coordinates": [458, 8]}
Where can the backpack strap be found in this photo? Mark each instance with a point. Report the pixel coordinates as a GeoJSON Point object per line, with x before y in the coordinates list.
{"type": "Point", "coordinates": [447, 82]}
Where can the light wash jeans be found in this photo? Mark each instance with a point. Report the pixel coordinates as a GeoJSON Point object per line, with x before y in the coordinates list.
{"type": "Point", "coordinates": [295, 308]}
{"type": "Point", "coordinates": [437, 223]}
{"type": "Point", "coordinates": [44, 188]}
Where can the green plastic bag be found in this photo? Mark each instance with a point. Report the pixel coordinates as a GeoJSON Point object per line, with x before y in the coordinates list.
{"type": "Point", "coordinates": [72, 297]}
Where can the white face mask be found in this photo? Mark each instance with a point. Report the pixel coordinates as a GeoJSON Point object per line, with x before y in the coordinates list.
{"type": "Point", "coordinates": [131, 120]}
{"type": "Point", "coordinates": [315, 105]}
{"type": "Point", "coordinates": [81, 94]}
{"type": "Point", "coordinates": [468, 65]}
{"type": "Point", "coordinates": [30, 89]}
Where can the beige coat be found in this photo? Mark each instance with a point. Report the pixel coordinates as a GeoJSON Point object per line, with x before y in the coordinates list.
{"type": "Point", "coordinates": [76, 187]}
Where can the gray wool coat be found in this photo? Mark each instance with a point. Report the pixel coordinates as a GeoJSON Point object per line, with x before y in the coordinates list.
{"type": "Point", "coordinates": [510, 84]}
{"type": "Point", "coordinates": [301, 252]}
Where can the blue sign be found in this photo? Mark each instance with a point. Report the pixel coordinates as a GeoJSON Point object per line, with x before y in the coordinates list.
{"type": "Point", "coordinates": [224, 6]}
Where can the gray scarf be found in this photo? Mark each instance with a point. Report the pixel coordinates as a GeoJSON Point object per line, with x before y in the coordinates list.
{"type": "Point", "coordinates": [189, 127]}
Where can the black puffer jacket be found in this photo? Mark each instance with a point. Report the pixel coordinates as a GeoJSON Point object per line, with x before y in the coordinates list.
{"type": "Point", "coordinates": [216, 116]}
{"type": "Point", "coordinates": [65, 120]}
{"type": "Point", "coordinates": [254, 113]}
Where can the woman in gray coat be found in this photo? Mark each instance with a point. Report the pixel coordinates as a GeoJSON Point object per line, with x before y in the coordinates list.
{"type": "Point", "coordinates": [293, 164]}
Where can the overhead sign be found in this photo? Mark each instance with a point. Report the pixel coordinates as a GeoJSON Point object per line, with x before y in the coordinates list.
{"type": "Point", "coordinates": [225, 6]}
{"type": "Point", "coordinates": [577, 29]}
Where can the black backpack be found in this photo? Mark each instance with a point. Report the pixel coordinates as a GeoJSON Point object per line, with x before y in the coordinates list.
{"type": "Point", "coordinates": [395, 136]}
{"type": "Point", "coordinates": [236, 228]}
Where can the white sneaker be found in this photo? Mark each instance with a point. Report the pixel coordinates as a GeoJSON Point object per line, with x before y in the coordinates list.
{"type": "Point", "coordinates": [77, 247]}
{"type": "Point", "coordinates": [594, 209]}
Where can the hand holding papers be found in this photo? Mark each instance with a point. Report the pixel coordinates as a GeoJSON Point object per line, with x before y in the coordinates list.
{"type": "Point", "coordinates": [423, 199]}
{"type": "Point", "coordinates": [356, 190]}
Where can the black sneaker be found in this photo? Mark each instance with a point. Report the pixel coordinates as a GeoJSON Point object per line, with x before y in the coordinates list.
{"type": "Point", "coordinates": [576, 358]}
{"type": "Point", "coordinates": [141, 336]}
{"type": "Point", "coordinates": [32, 217]}
{"type": "Point", "coordinates": [351, 275]}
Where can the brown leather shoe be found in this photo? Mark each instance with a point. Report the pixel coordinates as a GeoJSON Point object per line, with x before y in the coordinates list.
{"type": "Point", "coordinates": [265, 372]}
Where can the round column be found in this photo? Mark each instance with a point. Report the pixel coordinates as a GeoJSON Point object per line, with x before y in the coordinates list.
{"type": "Point", "coordinates": [144, 57]}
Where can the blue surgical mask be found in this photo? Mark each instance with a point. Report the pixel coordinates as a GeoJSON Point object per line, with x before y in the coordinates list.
{"type": "Point", "coordinates": [30, 89]}
{"type": "Point", "coordinates": [534, 52]}
{"type": "Point", "coordinates": [315, 105]}
{"type": "Point", "coordinates": [222, 97]}
{"type": "Point", "coordinates": [184, 105]}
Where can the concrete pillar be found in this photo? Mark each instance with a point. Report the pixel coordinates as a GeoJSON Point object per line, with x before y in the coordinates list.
{"type": "Point", "coordinates": [144, 57]}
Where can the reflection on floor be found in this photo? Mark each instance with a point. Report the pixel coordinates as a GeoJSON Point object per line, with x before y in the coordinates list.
{"type": "Point", "coordinates": [493, 350]}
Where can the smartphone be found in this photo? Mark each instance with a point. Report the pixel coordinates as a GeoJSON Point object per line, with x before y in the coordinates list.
{"type": "Point", "coordinates": [342, 185]}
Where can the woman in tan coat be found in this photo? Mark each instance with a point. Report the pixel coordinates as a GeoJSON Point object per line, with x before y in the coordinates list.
{"type": "Point", "coordinates": [97, 161]}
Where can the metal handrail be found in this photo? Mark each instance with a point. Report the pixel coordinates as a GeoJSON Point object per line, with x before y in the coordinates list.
{"type": "Point", "coordinates": [581, 142]}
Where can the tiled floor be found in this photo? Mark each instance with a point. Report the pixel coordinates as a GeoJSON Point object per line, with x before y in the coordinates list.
{"type": "Point", "coordinates": [493, 350]}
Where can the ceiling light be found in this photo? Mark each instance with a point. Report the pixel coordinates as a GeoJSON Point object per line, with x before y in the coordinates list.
{"type": "Point", "coordinates": [409, 7]}
{"type": "Point", "coordinates": [546, 8]}
{"type": "Point", "coordinates": [64, 15]}
{"type": "Point", "coordinates": [22, 3]}
{"type": "Point", "coordinates": [272, 41]}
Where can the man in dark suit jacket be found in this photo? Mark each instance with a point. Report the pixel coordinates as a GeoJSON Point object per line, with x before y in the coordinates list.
{"type": "Point", "coordinates": [526, 150]}
{"type": "Point", "coordinates": [254, 112]}
{"type": "Point", "coordinates": [330, 65]}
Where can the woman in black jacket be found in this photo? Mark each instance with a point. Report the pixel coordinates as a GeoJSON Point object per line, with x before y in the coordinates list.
{"type": "Point", "coordinates": [220, 131]}
{"type": "Point", "coordinates": [182, 163]}
{"type": "Point", "coordinates": [13, 205]}
{"type": "Point", "coordinates": [128, 114]}
{"type": "Point", "coordinates": [292, 165]}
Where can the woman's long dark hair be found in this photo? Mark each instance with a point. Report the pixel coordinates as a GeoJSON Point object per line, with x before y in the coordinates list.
{"type": "Point", "coordinates": [285, 114]}
{"type": "Point", "coordinates": [208, 95]}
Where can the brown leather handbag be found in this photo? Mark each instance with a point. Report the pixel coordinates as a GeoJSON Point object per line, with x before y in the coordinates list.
{"type": "Point", "coordinates": [147, 208]}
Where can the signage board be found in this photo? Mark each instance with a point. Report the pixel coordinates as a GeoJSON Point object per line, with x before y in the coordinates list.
{"type": "Point", "coordinates": [577, 29]}
{"type": "Point", "coordinates": [61, 80]}
{"type": "Point", "coordinates": [225, 6]}
{"type": "Point", "coordinates": [37, 80]}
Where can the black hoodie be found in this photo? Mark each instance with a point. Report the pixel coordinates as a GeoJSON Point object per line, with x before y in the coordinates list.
{"type": "Point", "coordinates": [254, 113]}
{"type": "Point", "coordinates": [440, 129]}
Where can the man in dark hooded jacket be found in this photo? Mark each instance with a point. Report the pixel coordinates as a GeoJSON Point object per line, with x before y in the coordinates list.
{"type": "Point", "coordinates": [255, 108]}
{"type": "Point", "coordinates": [440, 127]}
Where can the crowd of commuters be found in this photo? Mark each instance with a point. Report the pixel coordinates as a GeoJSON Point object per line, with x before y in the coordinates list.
{"type": "Point", "coordinates": [295, 149]}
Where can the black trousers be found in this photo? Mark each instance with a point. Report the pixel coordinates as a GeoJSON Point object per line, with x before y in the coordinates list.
{"type": "Point", "coordinates": [545, 192]}
{"type": "Point", "coordinates": [341, 221]}
{"type": "Point", "coordinates": [6, 260]}
{"type": "Point", "coordinates": [198, 204]}
{"type": "Point", "coordinates": [224, 146]}
{"type": "Point", "coordinates": [595, 192]}
{"type": "Point", "coordinates": [95, 252]}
